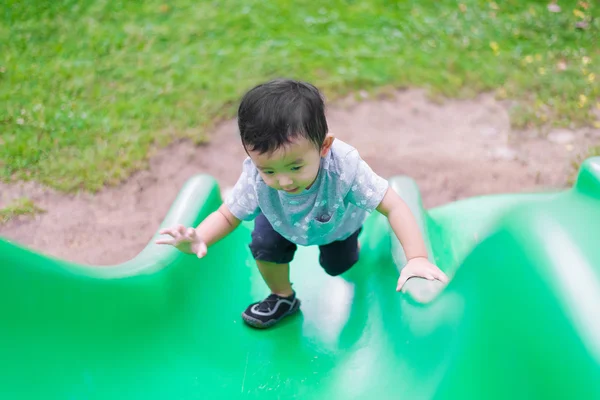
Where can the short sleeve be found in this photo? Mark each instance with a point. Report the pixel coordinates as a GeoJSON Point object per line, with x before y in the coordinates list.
{"type": "Point", "coordinates": [366, 188]}
{"type": "Point", "coordinates": [242, 200]}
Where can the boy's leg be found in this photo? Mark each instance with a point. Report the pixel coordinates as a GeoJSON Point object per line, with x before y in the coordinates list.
{"type": "Point", "coordinates": [339, 256]}
{"type": "Point", "coordinates": [277, 277]}
{"type": "Point", "coordinates": [273, 254]}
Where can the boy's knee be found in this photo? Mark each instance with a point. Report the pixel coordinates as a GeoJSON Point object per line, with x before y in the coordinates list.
{"type": "Point", "coordinates": [268, 245]}
{"type": "Point", "coordinates": [337, 266]}
{"type": "Point", "coordinates": [338, 257]}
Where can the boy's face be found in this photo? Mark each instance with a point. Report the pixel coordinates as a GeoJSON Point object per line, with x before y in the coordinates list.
{"type": "Point", "coordinates": [294, 167]}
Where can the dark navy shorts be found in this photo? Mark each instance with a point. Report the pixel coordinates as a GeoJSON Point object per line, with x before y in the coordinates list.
{"type": "Point", "coordinates": [268, 245]}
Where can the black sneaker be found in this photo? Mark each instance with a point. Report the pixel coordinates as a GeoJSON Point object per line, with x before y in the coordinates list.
{"type": "Point", "coordinates": [271, 310]}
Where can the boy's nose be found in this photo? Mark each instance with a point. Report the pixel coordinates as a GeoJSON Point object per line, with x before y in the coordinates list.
{"type": "Point", "coordinates": [284, 181]}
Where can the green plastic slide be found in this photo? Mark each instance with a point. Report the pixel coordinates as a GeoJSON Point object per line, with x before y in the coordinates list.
{"type": "Point", "coordinates": [520, 317]}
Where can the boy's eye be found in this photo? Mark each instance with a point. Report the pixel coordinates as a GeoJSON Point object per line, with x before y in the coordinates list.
{"type": "Point", "coordinates": [297, 168]}
{"type": "Point", "coordinates": [268, 172]}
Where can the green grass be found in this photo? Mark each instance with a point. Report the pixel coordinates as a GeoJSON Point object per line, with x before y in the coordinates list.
{"type": "Point", "coordinates": [22, 206]}
{"type": "Point", "coordinates": [87, 88]}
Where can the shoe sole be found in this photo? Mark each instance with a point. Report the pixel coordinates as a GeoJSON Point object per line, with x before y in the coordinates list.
{"type": "Point", "coordinates": [263, 325]}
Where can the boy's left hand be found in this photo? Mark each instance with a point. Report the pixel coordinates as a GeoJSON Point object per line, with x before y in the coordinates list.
{"type": "Point", "coordinates": [420, 267]}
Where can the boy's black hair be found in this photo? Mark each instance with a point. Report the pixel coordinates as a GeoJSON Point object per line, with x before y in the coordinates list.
{"type": "Point", "coordinates": [273, 113]}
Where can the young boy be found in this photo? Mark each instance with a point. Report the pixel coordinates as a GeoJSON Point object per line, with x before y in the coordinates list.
{"type": "Point", "coordinates": [302, 187]}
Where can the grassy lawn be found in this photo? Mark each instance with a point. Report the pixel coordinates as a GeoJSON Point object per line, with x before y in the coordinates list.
{"type": "Point", "coordinates": [88, 87]}
{"type": "Point", "coordinates": [22, 206]}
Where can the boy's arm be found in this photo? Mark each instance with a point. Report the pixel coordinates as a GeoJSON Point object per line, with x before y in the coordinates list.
{"type": "Point", "coordinates": [196, 241]}
{"type": "Point", "coordinates": [405, 226]}
{"type": "Point", "coordinates": [364, 183]}
{"type": "Point", "coordinates": [217, 225]}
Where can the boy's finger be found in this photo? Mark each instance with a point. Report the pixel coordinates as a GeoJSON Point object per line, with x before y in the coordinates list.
{"type": "Point", "coordinates": [165, 241]}
{"type": "Point", "coordinates": [442, 277]}
{"type": "Point", "coordinates": [439, 274]}
{"type": "Point", "coordinates": [202, 250]}
{"type": "Point", "coordinates": [191, 233]}
{"type": "Point", "coordinates": [401, 282]}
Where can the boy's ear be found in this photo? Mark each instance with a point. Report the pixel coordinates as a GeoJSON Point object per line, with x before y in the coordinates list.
{"type": "Point", "coordinates": [327, 144]}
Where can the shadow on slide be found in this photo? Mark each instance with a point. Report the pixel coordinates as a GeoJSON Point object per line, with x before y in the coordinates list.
{"type": "Point", "coordinates": [519, 319]}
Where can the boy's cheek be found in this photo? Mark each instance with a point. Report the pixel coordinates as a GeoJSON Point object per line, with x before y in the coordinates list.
{"type": "Point", "coordinates": [272, 183]}
{"type": "Point", "coordinates": [266, 178]}
{"type": "Point", "coordinates": [310, 175]}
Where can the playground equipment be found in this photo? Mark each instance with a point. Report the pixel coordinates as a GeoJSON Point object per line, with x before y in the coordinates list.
{"type": "Point", "coordinates": [520, 317]}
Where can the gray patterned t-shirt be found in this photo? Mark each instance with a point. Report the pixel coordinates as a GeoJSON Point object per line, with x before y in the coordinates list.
{"type": "Point", "coordinates": [335, 206]}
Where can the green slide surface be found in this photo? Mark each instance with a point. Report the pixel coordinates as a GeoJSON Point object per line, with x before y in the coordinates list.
{"type": "Point", "coordinates": [520, 317]}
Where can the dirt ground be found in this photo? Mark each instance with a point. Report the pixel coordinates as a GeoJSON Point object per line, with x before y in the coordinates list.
{"type": "Point", "coordinates": [453, 150]}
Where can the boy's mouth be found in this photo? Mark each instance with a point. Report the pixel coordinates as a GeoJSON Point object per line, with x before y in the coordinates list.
{"type": "Point", "coordinates": [292, 190]}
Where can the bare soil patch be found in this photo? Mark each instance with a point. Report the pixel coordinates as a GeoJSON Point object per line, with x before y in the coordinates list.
{"type": "Point", "coordinates": [453, 150]}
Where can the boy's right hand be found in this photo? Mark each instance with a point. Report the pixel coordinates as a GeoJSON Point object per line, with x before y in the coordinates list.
{"type": "Point", "coordinates": [184, 239]}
